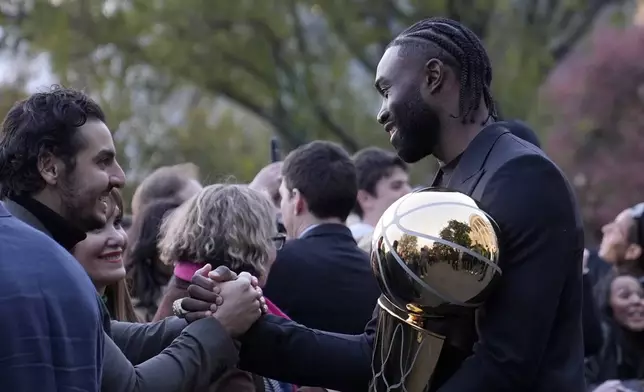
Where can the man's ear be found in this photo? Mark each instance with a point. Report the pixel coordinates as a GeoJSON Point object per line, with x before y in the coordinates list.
{"type": "Point", "coordinates": [299, 204]}
{"type": "Point", "coordinates": [434, 75]}
{"type": "Point", "coordinates": [364, 200]}
{"type": "Point", "coordinates": [50, 168]}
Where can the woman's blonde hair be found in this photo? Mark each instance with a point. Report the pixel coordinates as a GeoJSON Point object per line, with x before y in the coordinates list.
{"type": "Point", "coordinates": [225, 224]}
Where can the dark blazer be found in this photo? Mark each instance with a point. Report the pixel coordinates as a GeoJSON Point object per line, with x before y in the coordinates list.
{"type": "Point", "coordinates": [529, 330]}
{"type": "Point", "coordinates": [166, 356]}
{"type": "Point", "coordinates": [597, 267]}
{"type": "Point", "coordinates": [590, 320]}
{"type": "Point", "coordinates": [52, 338]}
{"type": "Point", "coordinates": [313, 276]}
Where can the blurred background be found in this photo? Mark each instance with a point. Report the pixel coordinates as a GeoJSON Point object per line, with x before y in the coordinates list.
{"type": "Point", "coordinates": [211, 81]}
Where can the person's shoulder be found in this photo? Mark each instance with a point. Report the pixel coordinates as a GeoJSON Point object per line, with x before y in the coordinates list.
{"type": "Point", "coordinates": [295, 256]}
{"type": "Point", "coordinates": [290, 251]}
{"type": "Point", "coordinates": [528, 183]}
{"type": "Point", "coordinates": [12, 228]}
{"type": "Point", "coordinates": [29, 257]}
{"type": "Point", "coordinates": [527, 165]}
{"type": "Point", "coordinates": [20, 238]}
{"type": "Point", "coordinates": [510, 147]}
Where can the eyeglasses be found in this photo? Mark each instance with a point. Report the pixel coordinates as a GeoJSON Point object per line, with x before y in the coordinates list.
{"type": "Point", "coordinates": [279, 241]}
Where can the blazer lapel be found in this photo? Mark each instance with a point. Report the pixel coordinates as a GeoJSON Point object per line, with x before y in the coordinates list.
{"type": "Point", "coordinates": [25, 216]}
{"type": "Point", "coordinates": [437, 177]}
{"type": "Point", "coordinates": [470, 168]}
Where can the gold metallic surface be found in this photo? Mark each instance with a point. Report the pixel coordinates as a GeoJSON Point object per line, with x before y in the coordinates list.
{"type": "Point", "coordinates": [435, 255]}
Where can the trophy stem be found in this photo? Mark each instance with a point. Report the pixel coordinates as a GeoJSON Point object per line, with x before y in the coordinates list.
{"type": "Point", "coordinates": [405, 355]}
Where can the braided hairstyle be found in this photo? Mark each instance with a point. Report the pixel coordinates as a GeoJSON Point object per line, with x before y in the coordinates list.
{"type": "Point", "coordinates": [461, 48]}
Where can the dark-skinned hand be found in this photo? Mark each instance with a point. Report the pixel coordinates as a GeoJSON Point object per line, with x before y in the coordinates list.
{"type": "Point", "coordinates": [206, 295]}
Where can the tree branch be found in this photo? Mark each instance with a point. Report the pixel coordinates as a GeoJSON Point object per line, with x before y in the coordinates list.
{"type": "Point", "coordinates": [312, 96]}
{"type": "Point", "coordinates": [281, 127]}
{"type": "Point", "coordinates": [340, 29]}
{"type": "Point", "coordinates": [579, 25]}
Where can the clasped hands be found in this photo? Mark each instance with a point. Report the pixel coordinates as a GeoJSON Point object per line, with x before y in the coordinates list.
{"type": "Point", "coordinates": [236, 301]}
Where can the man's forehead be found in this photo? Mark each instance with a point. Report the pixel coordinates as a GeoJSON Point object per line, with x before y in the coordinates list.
{"type": "Point", "coordinates": [393, 65]}
{"type": "Point", "coordinates": [395, 173]}
{"type": "Point", "coordinates": [96, 136]}
{"type": "Point", "coordinates": [624, 220]}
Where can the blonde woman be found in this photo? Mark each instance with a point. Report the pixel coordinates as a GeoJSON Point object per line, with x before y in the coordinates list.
{"type": "Point", "coordinates": [224, 224]}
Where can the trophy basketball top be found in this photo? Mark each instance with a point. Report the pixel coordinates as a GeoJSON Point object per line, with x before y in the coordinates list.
{"type": "Point", "coordinates": [435, 252]}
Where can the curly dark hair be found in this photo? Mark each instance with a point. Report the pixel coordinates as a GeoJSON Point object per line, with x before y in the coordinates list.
{"type": "Point", "coordinates": [44, 123]}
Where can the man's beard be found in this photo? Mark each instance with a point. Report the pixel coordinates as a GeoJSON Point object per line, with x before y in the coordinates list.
{"type": "Point", "coordinates": [417, 129]}
{"type": "Point", "coordinates": [78, 206]}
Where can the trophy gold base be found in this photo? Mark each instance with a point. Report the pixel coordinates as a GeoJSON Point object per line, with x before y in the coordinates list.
{"type": "Point", "coordinates": [405, 354]}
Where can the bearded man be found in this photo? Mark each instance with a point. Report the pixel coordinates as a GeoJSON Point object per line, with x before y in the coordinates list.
{"type": "Point", "coordinates": [435, 79]}
{"type": "Point", "coordinates": [57, 168]}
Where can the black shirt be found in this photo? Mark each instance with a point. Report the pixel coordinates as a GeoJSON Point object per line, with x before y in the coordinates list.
{"type": "Point", "coordinates": [63, 232]}
{"type": "Point", "coordinates": [445, 172]}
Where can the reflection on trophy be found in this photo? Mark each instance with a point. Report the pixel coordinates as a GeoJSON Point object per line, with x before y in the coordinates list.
{"type": "Point", "coordinates": [435, 255]}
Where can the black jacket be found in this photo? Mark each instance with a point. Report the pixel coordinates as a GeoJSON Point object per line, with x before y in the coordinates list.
{"type": "Point", "coordinates": [313, 276]}
{"type": "Point", "coordinates": [529, 330]}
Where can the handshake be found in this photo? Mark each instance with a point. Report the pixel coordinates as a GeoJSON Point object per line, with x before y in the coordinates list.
{"type": "Point", "coordinates": [236, 301]}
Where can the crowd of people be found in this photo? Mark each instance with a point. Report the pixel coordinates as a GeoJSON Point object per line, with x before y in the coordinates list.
{"type": "Point", "coordinates": [268, 286]}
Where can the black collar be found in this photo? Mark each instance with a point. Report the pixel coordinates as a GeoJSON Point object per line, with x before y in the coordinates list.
{"type": "Point", "coordinates": [325, 229]}
{"type": "Point", "coordinates": [61, 230]}
{"type": "Point", "coordinates": [472, 160]}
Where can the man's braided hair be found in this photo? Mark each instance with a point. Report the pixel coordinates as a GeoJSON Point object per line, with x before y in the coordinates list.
{"type": "Point", "coordinates": [464, 48]}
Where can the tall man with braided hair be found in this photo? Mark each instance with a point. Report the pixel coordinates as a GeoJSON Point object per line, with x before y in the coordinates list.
{"type": "Point", "coordinates": [434, 79]}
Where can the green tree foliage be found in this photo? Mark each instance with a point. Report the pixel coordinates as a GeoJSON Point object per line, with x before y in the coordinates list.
{"type": "Point", "coordinates": [300, 68]}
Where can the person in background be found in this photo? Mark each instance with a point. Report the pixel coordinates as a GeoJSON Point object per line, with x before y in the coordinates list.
{"type": "Point", "coordinates": [622, 241]}
{"type": "Point", "coordinates": [179, 182]}
{"type": "Point", "coordinates": [321, 266]}
{"type": "Point", "coordinates": [382, 179]}
{"type": "Point", "coordinates": [522, 130]}
{"type": "Point", "coordinates": [622, 355]}
{"type": "Point", "coordinates": [147, 275]}
{"type": "Point", "coordinates": [268, 181]}
{"type": "Point", "coordinates": [230, 225]}
{"type": "Point", "coordinates": [101, 255]}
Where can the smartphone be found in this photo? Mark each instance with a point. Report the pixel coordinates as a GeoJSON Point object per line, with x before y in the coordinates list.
{"type": "Point", "coordinates": [275, 150]}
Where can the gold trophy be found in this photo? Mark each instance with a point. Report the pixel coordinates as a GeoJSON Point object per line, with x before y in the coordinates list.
{"type": "Point", "coordinates": [435, 255]}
